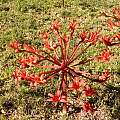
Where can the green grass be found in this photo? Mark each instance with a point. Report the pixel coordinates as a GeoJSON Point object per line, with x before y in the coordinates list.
{"type": "Point", "coordinates": [25, 20]}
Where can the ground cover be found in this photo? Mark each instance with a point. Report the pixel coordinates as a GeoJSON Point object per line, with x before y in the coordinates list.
{"type": "Point", "coordinates": [25, 20]}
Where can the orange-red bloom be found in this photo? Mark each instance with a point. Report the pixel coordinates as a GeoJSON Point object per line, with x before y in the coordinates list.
{"type": "Point", "coordinates": [25, 62]}
{"type": "Point", "coordinates": [72, 26]}
{"type": "Point", "coordinates": [36, 79]}
{"type": "Point", "coordinates": [45, 35]}
{"type": "Point", "coordinates": [110, 24]}
{"type": "Point", "coordinates": [56, 26]}
{"type": "Point", "coordinates": [116, 12]}
{"type": "Point", "coordinates": [105, 56]}
{"type": "Point", "coordinates": [88, 107]}
{"type": "Point", "coordinates": [105, 75]}
{"type": "Point", "coordinates": [91, 37]}
{"type": "Point", "coordinates": [76, 84]}
{"type": "Point", "coordinates": [15, 45]}
{"type": "Point", "coordinates": [57, 97]}
{"type": "Point", "coordinates": [65, 38]}
{"type": "Point", "coordinates": [16, 75]}
{"type": "Point", "coordinates": [106, 40]}
{"type": "Point", "coordinates": [88, 91]}
{"type": "Point", "coordinates": [117, 36]}
{"type": "Point", "coordinates": [83, 35]}
{"type": "Point", "coordinates": [30, 48]}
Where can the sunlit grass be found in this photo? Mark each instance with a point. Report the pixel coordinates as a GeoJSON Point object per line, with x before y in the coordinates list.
{"type": "Point", "coordinates": [25, 20]}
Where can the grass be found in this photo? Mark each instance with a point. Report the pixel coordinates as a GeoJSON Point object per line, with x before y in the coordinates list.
{"type": "Point", "coordinates": [25, 20]}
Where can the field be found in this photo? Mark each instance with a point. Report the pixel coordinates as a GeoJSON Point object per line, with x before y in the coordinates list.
{"type": "Point", "coordinates": [25, 20]}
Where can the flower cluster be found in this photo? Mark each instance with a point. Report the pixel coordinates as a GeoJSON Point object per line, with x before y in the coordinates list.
{"type": "Point", "coordinates": [58, 57]}
{"type": "Point", "coordinates": [33, 79]}
{"type": "Point", "coordinates": [112, 22]}
{"type": "Point", "coordinates": [115, 19]}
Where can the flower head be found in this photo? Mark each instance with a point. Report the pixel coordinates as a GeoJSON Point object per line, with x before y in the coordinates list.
{"type": "Point", "coordinates": [56, 26]}
{"type": "Point", "coordinates": [116, 11]}
{"type": "Point", "coordinates": [105, 56]}
{"type": "Point", "coordinates": [105, 75]}
{"type": "Point", "coordinates": [57, 97]}
{"type": "Point", "coordinates": [16, 75]}
{"type": "Point", "coordinates": [76, 84]}
{"type": "Point", "coordinates": [110, 23]}
{"type": "Point", "coordinates": [23, 62]}
{"type": "Point", "coordinates": [29, 48]}
{"type": "Point", "coordinates": [15, 45]}
{"type": "Point", "coordinates": [45, 35]}
{"type": "Point", "coordinates": [32, 59]}
{"type": "Point", "coordinates": [88, 91]}
{"type": "Point", "coordinates": [36, 79]}
{"type": "Point", "coordinates": [117, 23]}
{"type": "Point", "coordinates": [117, 36]}
{"type": "Point", "coordinates": [89, 37]}
{"type": "Point", "coordinates": [88, 107]}
{"type": "Point", "coordinates": [83, 35]}
{"type": "Point", "coordinates": [23, 75]}
{"type": "Point", "coordinates": [72, 26]}
{"type": "Point", "coordinates": [65, 38]}
{"type": "Point", "coordinates": [106, 40]}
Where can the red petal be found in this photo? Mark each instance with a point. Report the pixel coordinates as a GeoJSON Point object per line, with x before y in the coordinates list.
{"type": "Point", "coordinates": [58, 93]}
{"type": "Point", "coordinates": [51, 95]}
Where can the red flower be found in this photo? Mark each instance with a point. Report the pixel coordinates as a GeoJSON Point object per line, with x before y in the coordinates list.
{"type": "Point", "coordinates": [116, 11]}
{"type": "Point", "coordinates": [29, 48]}
{"type": "Point", "coordinates": [16, 45]}
{"type": "Point", "coordinates": [65, 38]}
{"type": "Point", "coordinates": [72, 25]}
{"type": "Point", "coordinates": [88, 107]}
{"type": "Point", "coordinates": [117, 23]}
{"type": "Point", "coordinates": [57, 97]}
{"type": "Point", "coordinates": [76, 84]}
{"type": "Point", "coordinates": [105, 56]}
{"type": "Point", "coordinates": [105, 75]}
{"type": "Point", "coordinates": [106, 40]}
{"type": "Point", "coordinates": [16, 75]}
{"type": "Point", "coordinates": [88, 91]}
{"type": "Point", "coordinates": [23, 62]}
{"type": "Point", "coordinates": [32, 59]}
{"type": "Point", "coordinates": [117, 36]}
{"type": "Point", "coordinates": [36, 79]}
{"type": "Point", "coordinates": [56, 26]}
{"type": "Point", "coordinates": [46, 41]}
{"type": "Point", "coordinates": [83, 35]}
{"type": "Point", "coordinates": [24, 75]}
{"type": "Point", "coordinates": [45, 35]}
{"type": "Point", "coordinates": [93, 36]}
{"type": "Point", "coordinates": [47, 45]}
{"type": "Point", "coordinates": [110, 24]}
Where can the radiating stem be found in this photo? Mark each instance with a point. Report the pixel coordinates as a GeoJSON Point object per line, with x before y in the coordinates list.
{"type": "Point", "coordinates": [38, 66]}
{"type": "Point", "coordinates": [80, 54]}
{"type": "Point", "coordinates": [61, 44]}
{"type": "Point", "coordinates": [74, 51]}
{"type": "Point", "coordinates": [80, 74]}
{"type": "Point", "coordinates": [54, 60]}
{"type": "Point", "coordinates": [84, 61]}
{"type": "Point", "coordinates": [51, 71]}
{"type": "Point", "coordinates": [68, 46]}
{"type": "Point", "coordinates": [64, 89]}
